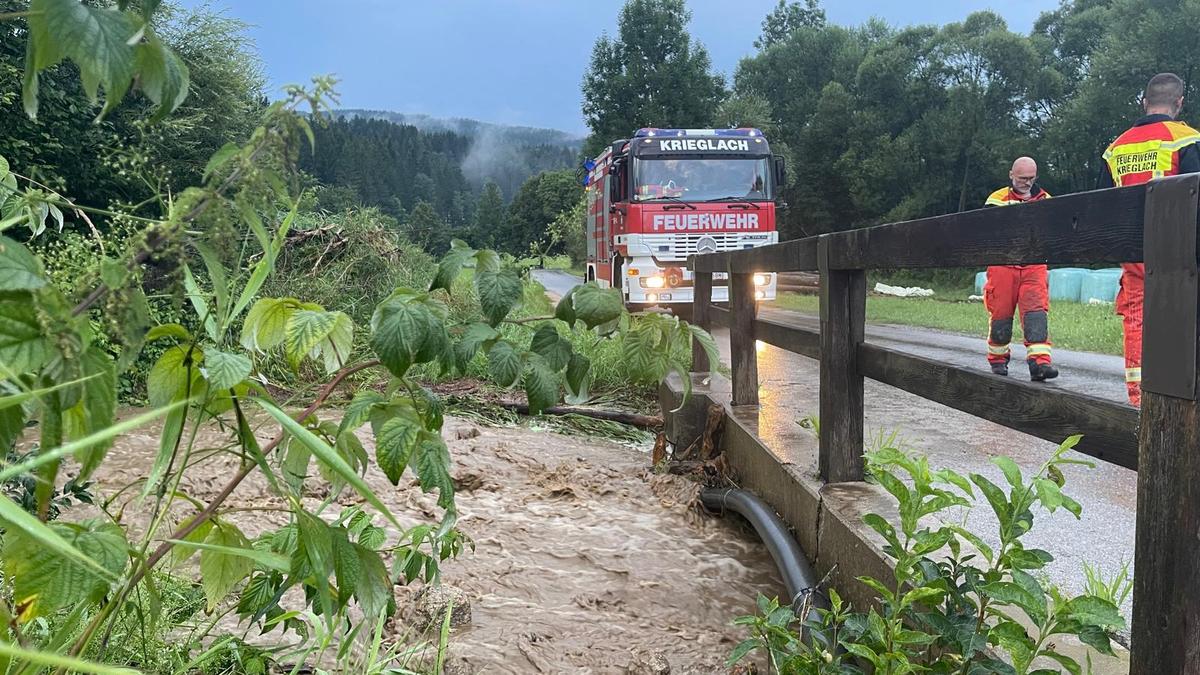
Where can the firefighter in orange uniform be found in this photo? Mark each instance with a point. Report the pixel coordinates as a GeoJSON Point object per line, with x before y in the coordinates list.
{"type": "Point", "coordinates": [1154, 147]}
{"type": "Point", "coordinates": [1019, 287]}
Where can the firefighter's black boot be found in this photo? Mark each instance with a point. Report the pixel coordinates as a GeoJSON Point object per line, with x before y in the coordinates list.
{"type": "Point", "coordinates": [1039, 372]}
{"type": "Point", "coordinates": [1000, 369]}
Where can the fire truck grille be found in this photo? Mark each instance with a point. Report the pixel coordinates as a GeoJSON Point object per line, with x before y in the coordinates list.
{"type": "Point", "coordinates": [680, 246]}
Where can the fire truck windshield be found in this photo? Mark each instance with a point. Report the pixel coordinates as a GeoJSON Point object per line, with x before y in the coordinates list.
{"type": "Point", "coordinates": [698, 180]}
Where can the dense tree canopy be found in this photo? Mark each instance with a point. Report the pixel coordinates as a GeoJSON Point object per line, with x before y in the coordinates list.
{"type": "Point", "coordinates": [651, 74]}
{"type": "Point", "coordinates": [884, 124]}
{"type": "Point", "coordinates": [538, 203]}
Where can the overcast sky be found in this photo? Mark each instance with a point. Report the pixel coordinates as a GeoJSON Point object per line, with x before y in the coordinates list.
{"type": "Point", "coordinates": [511, 61]}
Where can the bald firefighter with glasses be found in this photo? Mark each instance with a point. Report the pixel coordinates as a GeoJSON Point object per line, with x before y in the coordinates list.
{"type": "Point", "coordinates": [1023, 288]}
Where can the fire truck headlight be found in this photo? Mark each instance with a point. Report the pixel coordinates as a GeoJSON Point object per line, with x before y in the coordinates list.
{"type": "Point", "coordinates": [762, 279]}
{"type": "Point", "coordinates": [650, 297]}
{"type": "Point", "coordinates": [655, 281]}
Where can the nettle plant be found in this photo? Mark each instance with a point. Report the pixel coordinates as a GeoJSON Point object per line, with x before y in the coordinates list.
{"type": "Point", "coordinates": [76, 581]}
{"type": "Point", "coordinates": [954, 603]}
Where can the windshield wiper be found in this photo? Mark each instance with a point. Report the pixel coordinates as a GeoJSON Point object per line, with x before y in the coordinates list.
{"type": "Point", "coordinates": [743, 200]}
{"type": "Point", "coordinates": [676, 200]}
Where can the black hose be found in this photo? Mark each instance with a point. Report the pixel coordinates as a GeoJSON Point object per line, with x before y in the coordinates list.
{"type": "Point", "coordinates": [798, 575]}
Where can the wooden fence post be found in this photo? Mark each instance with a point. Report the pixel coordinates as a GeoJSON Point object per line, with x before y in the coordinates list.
{"type": "Point", "coordinates": [843, 322]}
{"type": "Point", "coordinates": [701, 300]}
{"type": "Point", "coordinates": [742, 355]}
{"type": "Point", "coordinates": [1166, 587]}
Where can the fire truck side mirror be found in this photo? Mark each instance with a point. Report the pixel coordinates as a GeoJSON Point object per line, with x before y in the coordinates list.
{"type": "Point", "coordinates": [780, 172]}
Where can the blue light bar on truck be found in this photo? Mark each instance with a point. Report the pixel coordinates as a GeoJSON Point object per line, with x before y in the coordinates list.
{"type": "Point", "coordinates": [656, 133]}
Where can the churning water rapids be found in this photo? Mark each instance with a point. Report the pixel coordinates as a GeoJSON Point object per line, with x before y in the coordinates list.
{"type": "Point", "coordinates": [583, 556]}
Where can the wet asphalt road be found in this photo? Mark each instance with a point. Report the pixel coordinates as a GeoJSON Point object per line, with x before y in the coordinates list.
{"type": "Point", "coordinates": [1103, 537]}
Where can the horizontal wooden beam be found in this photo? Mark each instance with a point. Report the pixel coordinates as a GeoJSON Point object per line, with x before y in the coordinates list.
{"type": "Point", "coordinates": [1104, 226]}
{"type": "Point", "coordinates": [798, 255]}
{"type": "Point", "coordinates": [1109, 429]}
{"type": "Point", "coordinates": [794, 339]}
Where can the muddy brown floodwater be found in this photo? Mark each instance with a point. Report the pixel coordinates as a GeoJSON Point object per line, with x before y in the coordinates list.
{"type": "Point", "coordinates": [582, 557]}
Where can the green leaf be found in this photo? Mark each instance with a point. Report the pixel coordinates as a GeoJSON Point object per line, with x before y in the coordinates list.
{"type": "Point", "coordinates": [1048, 493]}
{"type": "Point", "coordinates": [328, 455]}
{"type": "Point", "coordinates": [1034, 589]}
{"type": "Point", "coordinates": [374, 588]}
{"type": "Point", "coordinates": [55, 566]}
{"type": "Point", "coordinates": [169, 330]}
{"type": "Point", "coordinates": [565, 310]}
{"type": "Point", "coordinates": [224, 370]}
{"type": "Point", "coordinates": [541, 385]}
{"type": "Point", "coordinates": [95, 411]}
{"type": "Point", "coordinates": [499, 292]}
{"type": "Point", "coordinates": [487, 261]}
{"type": "Point", "coordinates": [1097, 638]}
{"type": "Point", "coordinates": [596, 306]}
{"type": "Point", "coordinates": [175, 372]}
{"type": "Point", "coordinates": [335, 349]}
{"type": "Point", "coordinates": [476, 335]}
{"type": "Point", "coordinates": [397, 429]}
{"type": "Point", "coordinates": [451, 265]}
{"type": "Point", "coordinates": [504, 364]}
{"type": "Point", "coordinates": [265, 326]}
{"type": "Point", "coordinates": [269, 560]}
{"type": "Point", "coordinates": [995, 496]}
{"type": "Point", "coordinates": [923, 595]}
{"type": "Point", "coordinates": [347, 567]}
{"type": "Point", "coordinates": [306, 329]}
{"type": "Point", "coordinates": [23, 349]}
{"type": "Point", "coordinates": [579, 376]}
{"type": "Point", "coordinates": [433, 467]}
{"type": "Point", "coordinates": [219, 159]}
{"type": "Point", "coordinates": [19, 269]}
{"type": "Point", "coordinates": [1091, 610]}
{"type": "Point", "coordinates": [96, 39]}
{"type": "Point", "coordinates": [1072, 506]}
{"type": "Point", "coordinates": [220, 570]}
{"type": "Point", "coordinates": [265, 265]}
{"type": "Point", "coordinates": [1013, 639]}
{"type": "Point", "coordinates": [548, 344]}
{"type": "Point", "coordinates": [64, 663]}
{"type": "Point", "coordinates": [315, 541]}
{"type": "Point", "coordinates": [1009, 593]}
{"type": "Point", "coordinates": [707, 343]}
{"type": "Point", "coordinates": [162, 74]}
{"type": "Point", "coordinates": [1063, 660]}
{"type": "Point", "coordinates": [739, 652]}
{"type": "Point", "coordinates": [359, 410]}
{"type": "Point", "coordinates": [406, 329]}
{"type": "Point", "coordinates": [1012, 473]}
{"type": "Point", "coordinates": [168, 442]}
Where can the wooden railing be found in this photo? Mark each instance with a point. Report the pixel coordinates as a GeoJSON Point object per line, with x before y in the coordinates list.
{"type": "Point", "coordinates": [1154, 223]}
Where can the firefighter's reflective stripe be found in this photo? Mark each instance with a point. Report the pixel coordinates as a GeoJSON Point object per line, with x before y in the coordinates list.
{"type": "Point", "coordinates": [998, 350]}
{"type": "Point", "coordinates": [1038, 350]}
{"type": "Point", "coordinates": [1133, 374]}
{"type": "Point", "coordinates": [993, 201]}
{"type": "Point", "coordinates": [1152, 151]}
{"type": "Point", "coordinates": [1153, 157]}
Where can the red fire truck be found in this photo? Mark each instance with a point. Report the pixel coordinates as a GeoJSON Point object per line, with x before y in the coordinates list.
{"type": "Point", "coordinates": [665, 194]}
